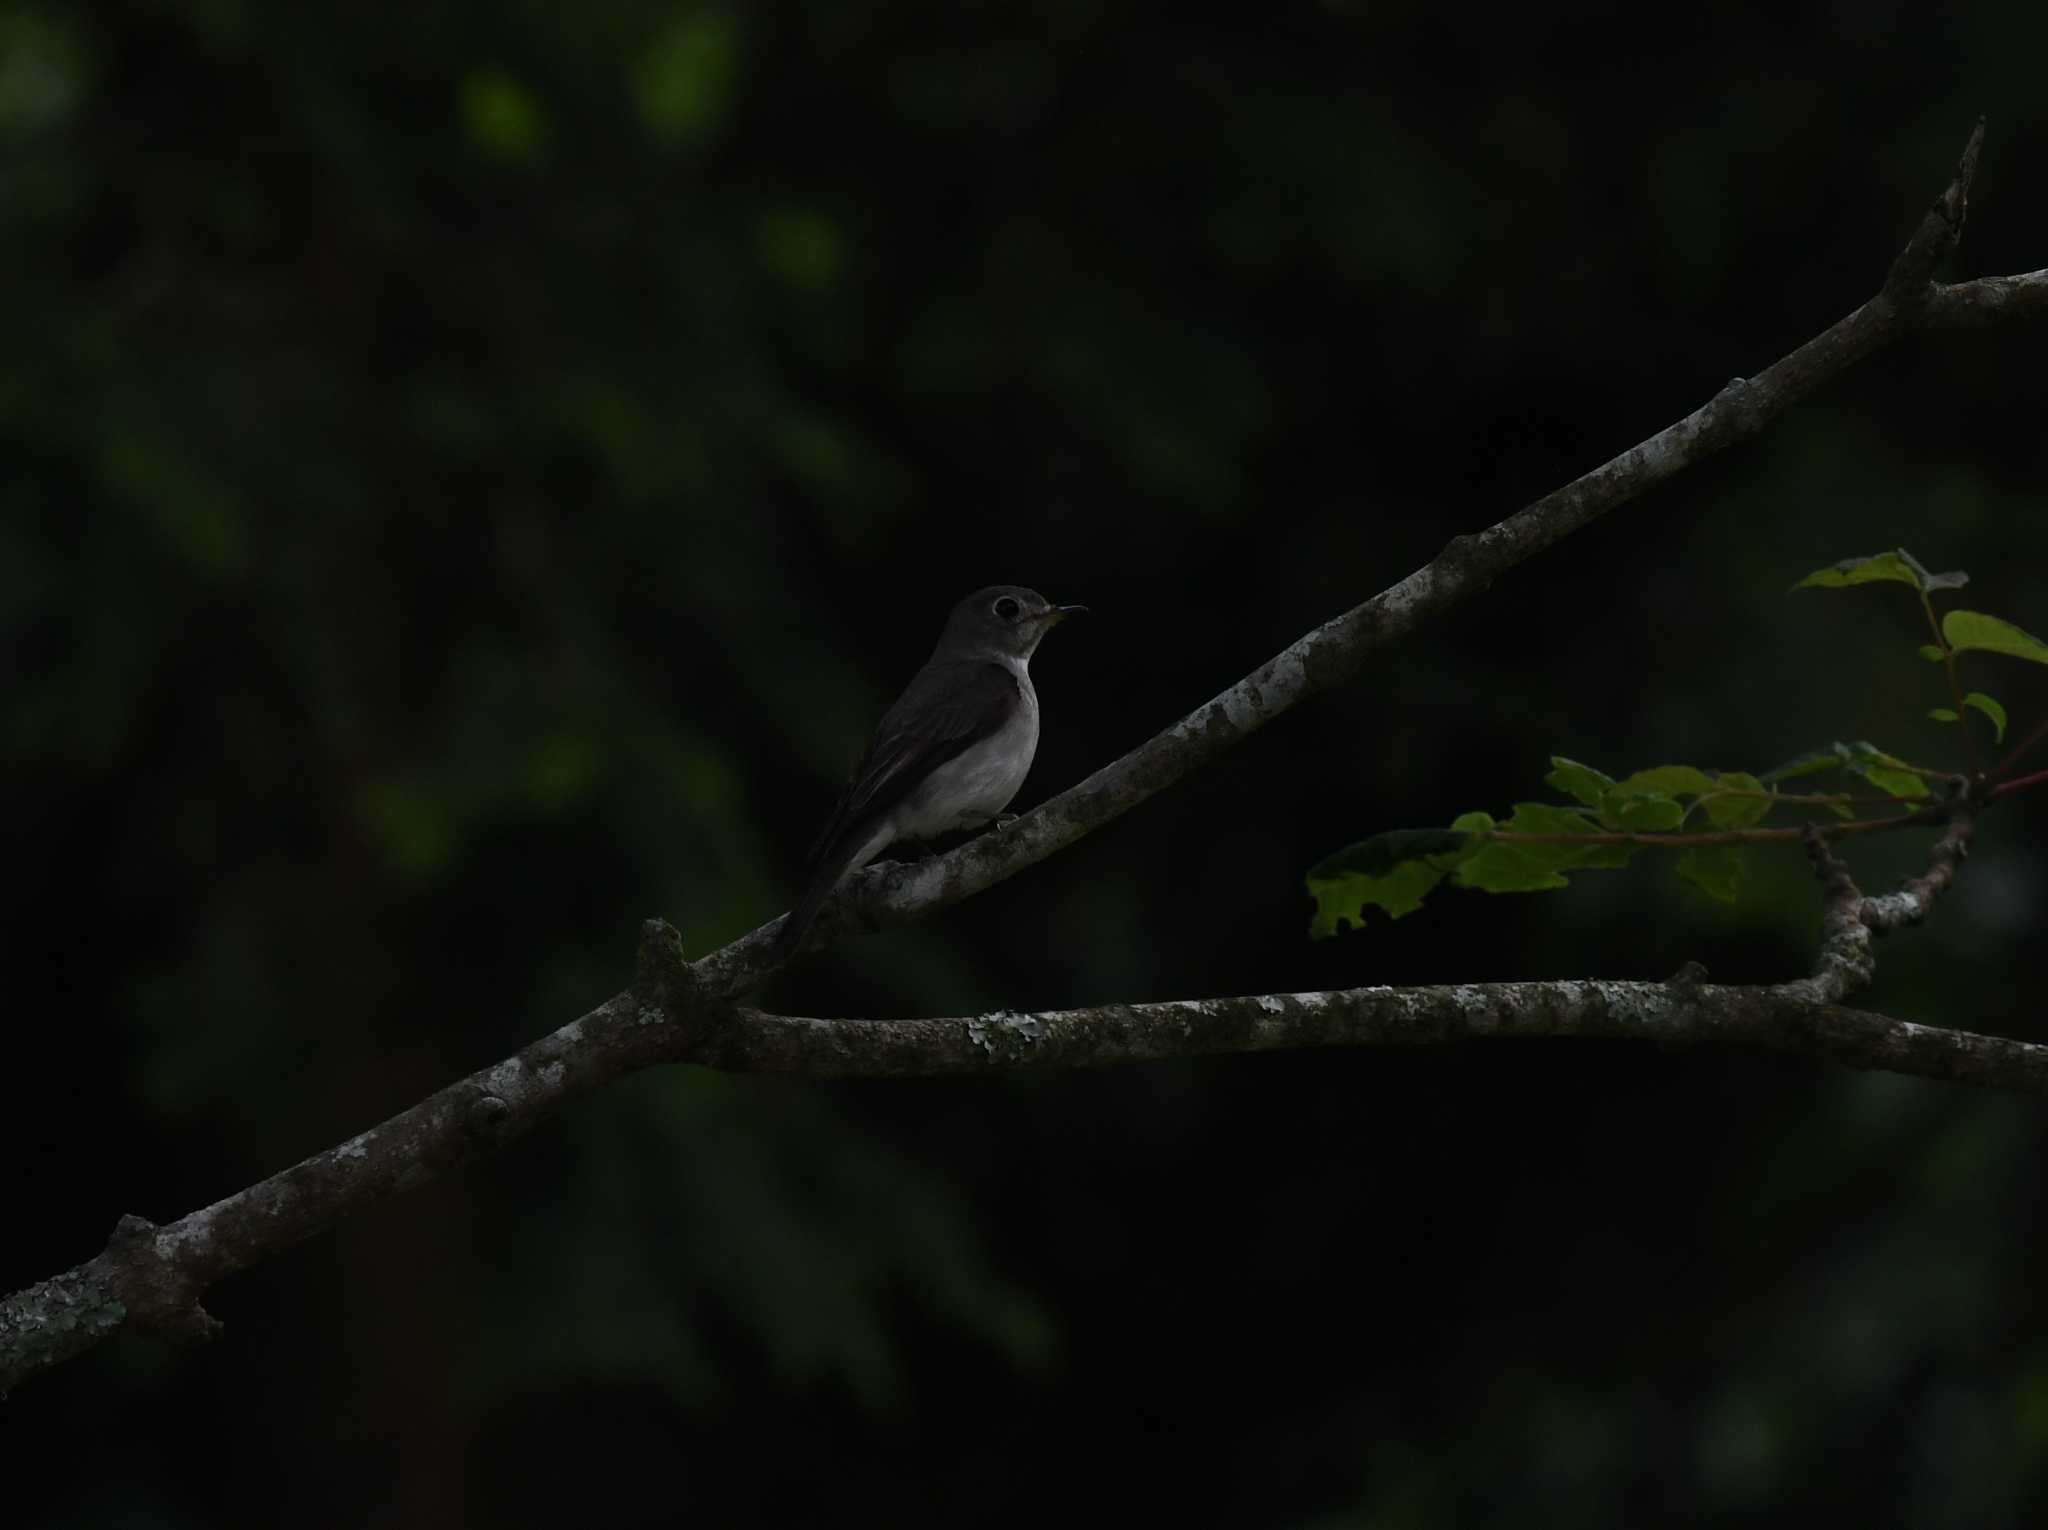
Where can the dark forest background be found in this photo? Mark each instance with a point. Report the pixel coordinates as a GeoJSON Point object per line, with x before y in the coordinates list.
{"type": "Point", "coordinates": [473, 473]}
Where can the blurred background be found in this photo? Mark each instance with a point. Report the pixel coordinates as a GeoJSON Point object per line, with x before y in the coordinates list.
{"type": "Point", "coordinates": [473, 474]}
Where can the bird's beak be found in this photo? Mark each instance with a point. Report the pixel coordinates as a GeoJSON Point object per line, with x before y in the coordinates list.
{"type": "Point", "coordinates": [1059, 614]}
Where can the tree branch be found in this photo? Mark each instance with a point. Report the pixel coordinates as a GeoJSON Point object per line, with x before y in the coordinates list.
{"type": "Point", "coordinates": [885, 896]}
{"type": "Point", "coordinates": [1671, 1014]}
{"type": "Point", "coordinates": [151, 1278]}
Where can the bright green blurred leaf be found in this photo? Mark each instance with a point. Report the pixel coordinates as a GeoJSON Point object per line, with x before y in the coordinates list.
{"type": "Point", "coordinates": [502, 117]}
{"type": "Point", "coordinates": [1942, 714]}
{"type": "Point", "coordinates": [1930, 653]}
{"type": "Point", "coordinates": [683, 83]}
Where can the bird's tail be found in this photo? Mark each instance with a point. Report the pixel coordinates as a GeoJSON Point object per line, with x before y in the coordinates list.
{"type": "Point", "coordinates": [827, 871]}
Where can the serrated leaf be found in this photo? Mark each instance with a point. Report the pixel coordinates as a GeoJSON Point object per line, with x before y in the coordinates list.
{"type": "Point", "coordinates": [1991, 709]}
{"type": "Point", "coordinates": [1344, 900]}
{"type": "Point", "coordinates": [1731, 812]}
{"type": "Point", "coordinates": [1714, 869]}
{"type": "Point", "coordinates": [1548, 818]}
{"type": "Point", "coordinates": [1576, 780]}
{"type": "Point", "coordinates": [1496, 867]}
{"type": "Point", "coordinates": [1942, 714]}
{"type": "Point", "coordinates": [1932, 654]}
{"type": "Point", "coordinates": [1381, 853]}
{"type": "Point", "coordinates": [1668, 781]}
{"type": "Point", "coordinates": [1811, 763]}
{"type": "Point", "coordinates": [1473, 823]}
{"type": "Point", "coordinates": [1393, 872]}
{"type": "Point", "coordinates": [1969, 631]}
{"type": "Point", "coordinates": [1641, 812]}
{"type": "Point", "coordinates": [1895, 567]}
{"type": "Point", "coordinates": [1503, 866]}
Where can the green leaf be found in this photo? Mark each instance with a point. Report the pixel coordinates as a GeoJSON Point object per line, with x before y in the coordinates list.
{"type": "Point", "coordinates": [1990, 709]}
{"type": "Point", "coordinates": [1942, 714]}
{"type": "Point", "coordinates": [1392, 872]}
{"type": "Point", "coordinates": [1497, 866]}
{"type": "Point", "coordinates": [1641, 812]}
{"type": "Point", "coordinates": [1576, 780]}
{"type": "Point", "coordinates": [1548, 818]}
{"type": "Point", "coordinates": [1668, 781]}
{"type": "Point", "coordinates": [1897, 567]}
{"type": "Point", "coordinates": [1932, 654]}
{"type": "Point", "coordinates": [1730, 812]}
{"type": "Point", "coordinates": [1343, 901]}
{"type": "Point", "coordinates": [1973, 630]}
{"type": "Point", "coordinates": [1811, 763]}
{"type": "Point", "coordinates": [1884, 771]}
{"type": "Point", "coordinates": [1381, 853]}
{"type": "Point", "coordinates": [1714, 869]}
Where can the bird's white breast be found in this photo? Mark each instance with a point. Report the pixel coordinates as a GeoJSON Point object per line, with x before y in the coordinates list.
{"type": "Point", "coordinates": [978, 783]}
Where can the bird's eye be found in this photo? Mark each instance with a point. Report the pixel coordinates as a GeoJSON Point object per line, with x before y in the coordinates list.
{"type": "Point", "coordinates": [1007, 608]}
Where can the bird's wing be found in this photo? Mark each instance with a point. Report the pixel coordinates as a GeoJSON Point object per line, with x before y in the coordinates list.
{"type": "Point", "coordinates": [948, 708]}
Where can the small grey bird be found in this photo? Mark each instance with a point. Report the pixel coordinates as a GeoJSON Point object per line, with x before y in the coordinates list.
{"type": "Point", "coordinates": [950, 754]}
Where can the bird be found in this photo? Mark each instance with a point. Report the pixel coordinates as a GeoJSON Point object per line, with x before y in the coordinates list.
{"type": "Point", "coordinates": [949, 755]}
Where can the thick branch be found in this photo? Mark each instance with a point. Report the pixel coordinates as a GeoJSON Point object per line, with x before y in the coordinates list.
{"type": "Point", "coordinates": [152, 1278]}
{"type": "Point", "coordinates": [1669, 1014]}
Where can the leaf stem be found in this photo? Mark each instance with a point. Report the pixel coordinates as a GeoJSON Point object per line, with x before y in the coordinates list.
{"type": "Point", "coordinates": [2020, 751]}
{"type": "Point", "coordinates": [2019, 783]}
{"type": "Point", "coordinates": [1926, 815]}
{"type": "Point", "coordinates": [1955, 685]}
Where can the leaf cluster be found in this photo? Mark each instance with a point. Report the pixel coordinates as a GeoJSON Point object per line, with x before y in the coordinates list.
{"type": "Point", "coordinates": [1710, 817]}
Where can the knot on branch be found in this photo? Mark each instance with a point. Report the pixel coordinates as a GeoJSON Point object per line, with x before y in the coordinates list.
{"type": "Point", "coordinates": [1744, 409]}
{"type": "Point", "coordinates": [160, 1295]}
{"type": "Point", "coordinates": [661, 970]}
{"type": "Point", "coordinates": [1684, 984]}
{"type": "Point", "coordinates": [485, 1114]}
